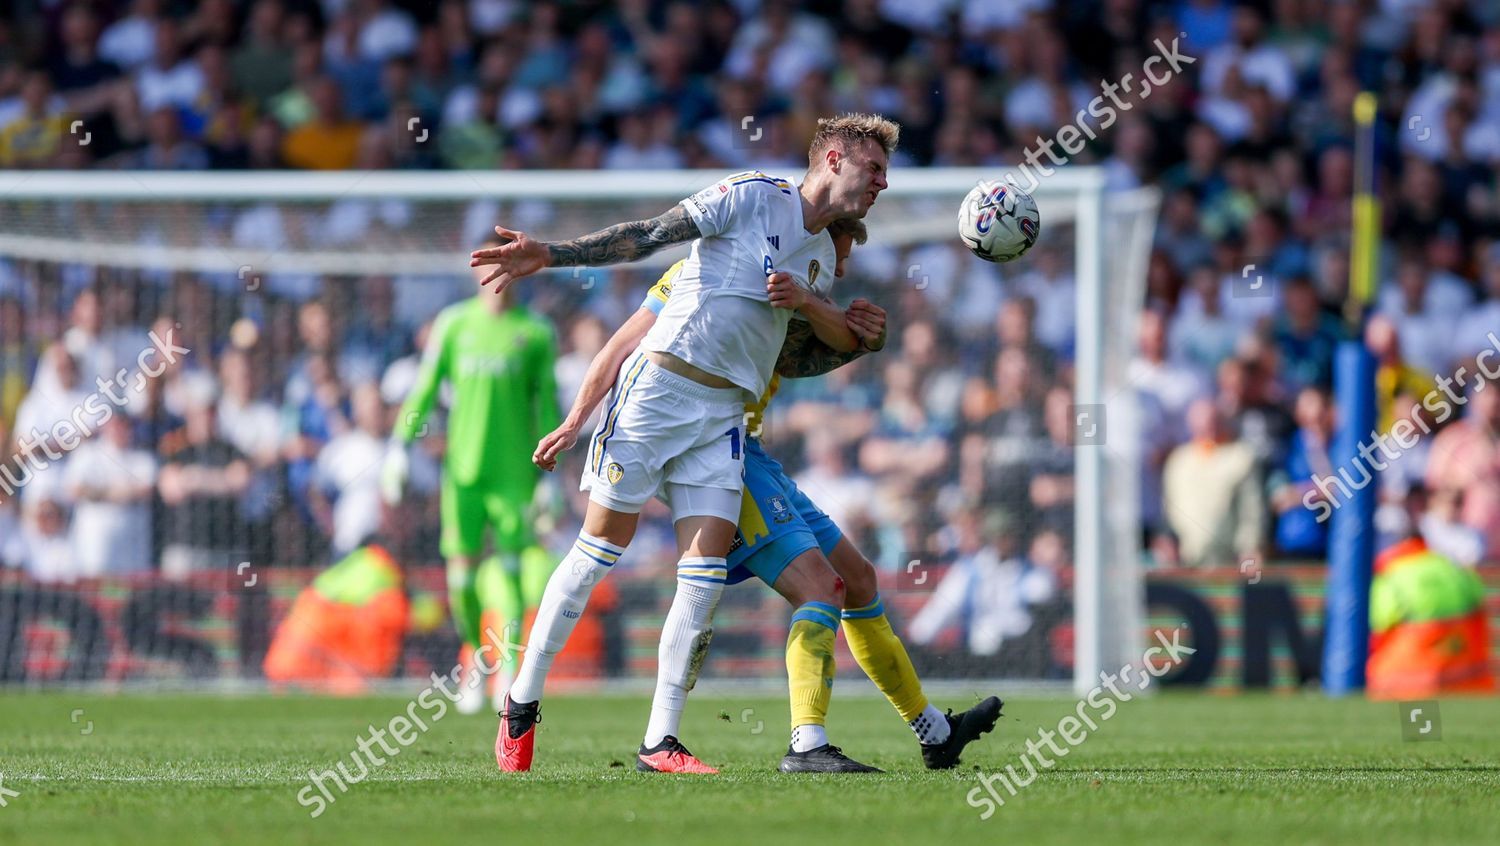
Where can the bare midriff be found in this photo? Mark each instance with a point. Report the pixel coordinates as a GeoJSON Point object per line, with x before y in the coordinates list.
{"type": "Point", "coordinates": [673, 364]}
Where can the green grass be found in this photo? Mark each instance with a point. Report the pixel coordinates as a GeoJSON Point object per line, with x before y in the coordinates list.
{"type": "Point", "coordinates": [1173, 769]}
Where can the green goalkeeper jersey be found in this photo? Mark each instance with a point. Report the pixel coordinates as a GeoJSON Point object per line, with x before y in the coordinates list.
{"type": "Point", "coordinates": [504, 394]}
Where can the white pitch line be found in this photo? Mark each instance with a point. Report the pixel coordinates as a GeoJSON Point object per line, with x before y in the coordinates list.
{"type": "Point", "coordinates": [211, 779]}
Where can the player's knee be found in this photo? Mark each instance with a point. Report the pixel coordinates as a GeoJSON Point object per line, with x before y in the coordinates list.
{"type": "Point", "coordinates": [862, 584]}
{"type": "Point", "coordinates": [607, 524]}
{"type": "Point", "coordinates": [833, 591]}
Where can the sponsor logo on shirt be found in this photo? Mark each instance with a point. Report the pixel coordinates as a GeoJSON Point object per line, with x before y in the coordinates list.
{"type": "Point", "coordinates": [483, 364]}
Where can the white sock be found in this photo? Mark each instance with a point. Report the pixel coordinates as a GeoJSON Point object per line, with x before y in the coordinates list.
{"type": "Point", "coordinates": [930, 725]}
{"type": "Point", "coordinates": [684, 642]}
{"type": "Point", "coordinates": [809, 737]}
{"type": "Point", "coordinates": [562, 604]}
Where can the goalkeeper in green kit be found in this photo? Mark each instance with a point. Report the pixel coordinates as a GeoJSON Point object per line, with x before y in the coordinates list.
{"type": "Point", "coordinates": [498, 358]}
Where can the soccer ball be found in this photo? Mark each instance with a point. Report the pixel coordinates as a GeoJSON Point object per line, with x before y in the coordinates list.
{"type": "Point", "coordinates": [998, 222]}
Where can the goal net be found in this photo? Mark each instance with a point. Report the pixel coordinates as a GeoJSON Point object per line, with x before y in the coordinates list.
{"type": "Point", "coordinates": [232, 351]}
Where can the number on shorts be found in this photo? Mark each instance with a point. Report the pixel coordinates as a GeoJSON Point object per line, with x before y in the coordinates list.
{"type": "Point", "coordinates": [734, 443]}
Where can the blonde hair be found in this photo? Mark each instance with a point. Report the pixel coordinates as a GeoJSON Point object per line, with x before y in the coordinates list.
{"type": "Point", "coordinates": [851, 227]}
{"type": "Point", "coordinates": [847, 130]}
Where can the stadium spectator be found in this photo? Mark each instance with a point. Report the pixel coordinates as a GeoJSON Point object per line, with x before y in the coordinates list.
{"type": "Point", "coordinates": [43, 548]}
{"type": "Point", "coordinates": [32, 126]}
{"type": "Point", "coordinates": [1171, 384]}
{"type": "Point", "coordinates": [345, 492]}
{"type": "Point", "coordinates": [1298, 531]}
{"type": "Point", "coordinates": [329, 140]}
{"type": "Point", "coordinates": [1482, 322]}
{"type": "Point", "coordinates": [262, 64]}
{"type": "Point", "coordinates": [1015, 326]}
{"type": "Point", "coordinates": [131, 40]}
{"type": "Point", "coordinates": [111, 483]}
{"type": "Point", "coordinates": [841, 491]}
{"type": "Point", "coordinates": [1250, 401]}
{"type": "Point", "coordinates": [585, 338]}
{"type": "Point", "coordinates": [645, 143]}
{"type": "Point", "coordinates": [201, 480]}
{"type": "Point", "coordinates": [1048, 283]}
{"type": "Point", "coordinates": [906, 439]}
{"type": "Point", "coordinates": [1003, 427]}
{"type": "Point", "coordinates": [1405, 475]}
{"type": "Point", "coordinates": [1424, 308]}
{"type": "Point", "coordinates": [311, 421]}
{"type": "Point", "coordinates": [1306, 337]}
{"type": "Point", "coordinates": [1394, 374]}
{"type": "Point", "coordinates": [78, 71]}
{"type": "Point", "coordinates": [1440, 525]}
{"type": "Point", "coordinates": [1212, 490]}
{"type": "Point", "coordinates": [989, 590]}
{"type": "Point", "coordinates": [169, 79]}
{"type": "Point", "coordinates": [52, 421]}
{"type": "Point", "coordinates": [942, 385]}
{"type": "Point", "coordinates": [1049, 466]}
{"type": "Point", "coordinates": [165, 148]}
{"type": "Point", "coordinates": [1201, 333]}
{"type": "Point", "coordinates": [252, 425]}
{"type": "Point", "coordinates": [1465, 464]}
{"type": "Point", "coordinates": [18, 353]}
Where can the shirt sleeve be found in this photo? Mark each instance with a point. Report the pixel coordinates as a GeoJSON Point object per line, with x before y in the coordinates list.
{"type": "Point", "coordinates": [716, 207]}
{"type": "Point", "coordinates": [656, 297]}
{"type": "Point", "coordinates": [430, 377]}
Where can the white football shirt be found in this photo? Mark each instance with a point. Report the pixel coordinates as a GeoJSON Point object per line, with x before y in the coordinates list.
{"type": "Point", "coordinates": [718, 318]}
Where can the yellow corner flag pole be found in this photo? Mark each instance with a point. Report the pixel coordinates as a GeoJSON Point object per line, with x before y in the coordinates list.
{"type": "Point", "coordinates": [1366, 214]}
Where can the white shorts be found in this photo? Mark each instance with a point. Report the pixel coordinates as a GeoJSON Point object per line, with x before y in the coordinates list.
{"type": "Point", "coordinates": [662, 432]}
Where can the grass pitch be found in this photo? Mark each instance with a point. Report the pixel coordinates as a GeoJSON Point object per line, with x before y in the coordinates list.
{"type": "Point", "coordinates": [1173, 769]}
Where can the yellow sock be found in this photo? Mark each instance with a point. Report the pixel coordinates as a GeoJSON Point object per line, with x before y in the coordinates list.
{"type": "Point", "coordinates": [809, 662]}
{"type": "Point", "coordinates": [883, 658]}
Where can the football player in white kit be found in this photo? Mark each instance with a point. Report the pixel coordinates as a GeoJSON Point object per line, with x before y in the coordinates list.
{"type": "Point", "coordinates": [674, 424]}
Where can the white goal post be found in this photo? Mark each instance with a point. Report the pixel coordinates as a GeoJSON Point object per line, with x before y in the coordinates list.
{"type": "Point", "coordinates": [167, 221]}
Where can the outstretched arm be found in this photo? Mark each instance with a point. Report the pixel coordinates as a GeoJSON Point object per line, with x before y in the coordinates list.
{"type": "Point", "coordinates": [523, 255]}
{"type": "Point", "coordinates": [596, 384]}
{"type": "Point", "coordinates": [625, 241]}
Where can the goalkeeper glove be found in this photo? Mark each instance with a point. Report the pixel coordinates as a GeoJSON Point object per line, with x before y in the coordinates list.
{"type": "Point", "coordinates": [393, 473]}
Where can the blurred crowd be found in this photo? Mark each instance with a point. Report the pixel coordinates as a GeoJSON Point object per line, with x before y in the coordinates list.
{"type": "Point", "coordinates": [954, 446]}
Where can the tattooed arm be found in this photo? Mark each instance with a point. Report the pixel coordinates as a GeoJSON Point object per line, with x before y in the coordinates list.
{"type": "Point", "coordinates": [521, 255]}
{"type": "Point", "coordinates": [804, 354]}
{"type": "Point", "coordinates": [625, 241]}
